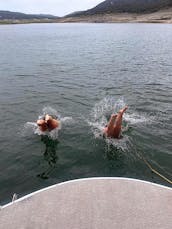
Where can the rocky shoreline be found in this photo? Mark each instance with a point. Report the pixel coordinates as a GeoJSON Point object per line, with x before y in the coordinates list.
{"type": "Point", "coordinates": [162, 16]}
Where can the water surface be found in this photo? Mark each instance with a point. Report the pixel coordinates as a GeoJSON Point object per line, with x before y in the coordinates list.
{"type": "Point", "coordinates": [84, 72]}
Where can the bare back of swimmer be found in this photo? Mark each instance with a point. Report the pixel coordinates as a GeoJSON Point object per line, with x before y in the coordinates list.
{"type": "Point", "coordinates": [113, 128]}
{"type": "Point", "coordinates": [48, 123]}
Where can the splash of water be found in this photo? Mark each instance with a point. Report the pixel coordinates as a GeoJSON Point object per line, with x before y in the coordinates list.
{"type": "Point", "coordinates": [135, 118]}
{"type": "Point", "coordinates": [51, 111]}
{"type": "Point", "coordinates": [100, 116]}
{"type": "Point", "coordinates": [33, 128]}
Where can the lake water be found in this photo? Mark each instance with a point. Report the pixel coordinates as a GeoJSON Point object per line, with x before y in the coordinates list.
{"type": "Point", "coordinates": [84, 72]}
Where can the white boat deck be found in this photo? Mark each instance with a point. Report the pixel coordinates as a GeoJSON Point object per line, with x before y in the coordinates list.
{"type": "Point", "coordinates": [95, 203]}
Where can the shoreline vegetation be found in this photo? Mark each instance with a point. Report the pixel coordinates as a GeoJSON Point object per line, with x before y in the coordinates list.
{"type": "Point", "coordinates": [161, 16]}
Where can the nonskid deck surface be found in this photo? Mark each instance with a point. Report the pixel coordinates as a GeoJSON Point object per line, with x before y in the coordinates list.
{"type": "Point", "coordinates": [92, 203]}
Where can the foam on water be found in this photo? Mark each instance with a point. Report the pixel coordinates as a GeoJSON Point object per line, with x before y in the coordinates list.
{"type": "Point", "coordinates": [135, 118]}
{"type": "Point", "coordinates": [51, 111]}
{"type": "Point", "coordinates": [100, 116]}
{"type": "Point", "coordinates": [33, 128]}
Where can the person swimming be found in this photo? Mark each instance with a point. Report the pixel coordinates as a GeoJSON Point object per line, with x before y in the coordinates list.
{"type": "Point", "coordinates": [48, 123]}
{"type": "Point", "coordinates": [114, 126]}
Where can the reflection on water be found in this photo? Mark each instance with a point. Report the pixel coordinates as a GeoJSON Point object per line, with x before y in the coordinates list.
{"type": "Point", "coordinates": [113, 152]}
{"type": "Point", "coordinates": [49, 138]}
{"type": "Point", "coordinates": [50, 155]}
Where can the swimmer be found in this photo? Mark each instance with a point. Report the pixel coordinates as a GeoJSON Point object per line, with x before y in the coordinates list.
{"type": "Point", "coordinates": [113, 128]}
{"type": "Point", "coordinates": [48, 123]}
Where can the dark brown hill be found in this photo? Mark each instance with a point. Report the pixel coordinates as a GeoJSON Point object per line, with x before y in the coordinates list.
{"type": "Point", "coordinates": [126, 6]}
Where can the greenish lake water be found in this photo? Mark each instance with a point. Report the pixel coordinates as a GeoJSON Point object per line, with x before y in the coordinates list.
{"type": "Point", "coordinates": [83, 72]}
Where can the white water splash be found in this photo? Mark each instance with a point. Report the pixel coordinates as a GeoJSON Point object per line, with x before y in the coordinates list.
{"type": "Point", "coordinates": [67, 120]}
{"type": "Point", "coordinates": [51, 111]}
{"type": "Point", "coordinates": [135, 118]}
{"type": "Point", "coordinates": [100, 116]}
{"type": "Point", "coordinates": [106, 107]}
{"type": "Point", "coordinates": [33, 128]}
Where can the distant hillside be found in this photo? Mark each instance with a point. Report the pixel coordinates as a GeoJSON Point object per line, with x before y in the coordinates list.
{"type": "Point", "coordinates": [126, 6]}
{"type": "Point", "coordinates": [8, 15]}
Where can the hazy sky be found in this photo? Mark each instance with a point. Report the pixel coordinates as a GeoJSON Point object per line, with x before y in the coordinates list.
{"type": "Point", "coordinates": [56, 7]}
